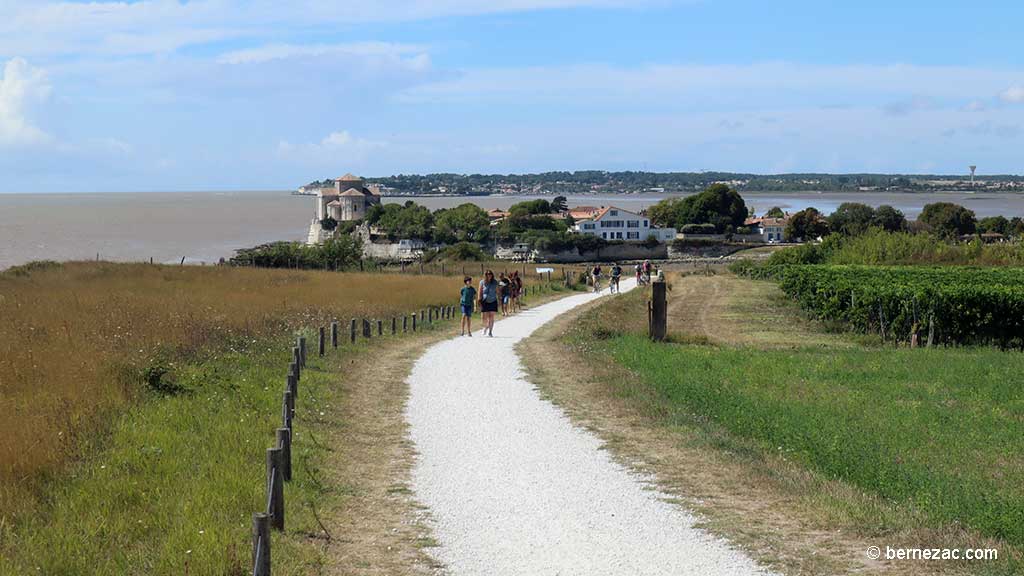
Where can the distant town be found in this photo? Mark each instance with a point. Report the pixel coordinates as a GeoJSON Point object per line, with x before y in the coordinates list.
{"type": "Point", "coordinates": [603, 182]}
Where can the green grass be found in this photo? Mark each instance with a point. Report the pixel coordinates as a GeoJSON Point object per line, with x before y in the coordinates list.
{"type": "Point", "coordinates": [173, 486]}
{"type": "Point", "coordinates": [939, 430]}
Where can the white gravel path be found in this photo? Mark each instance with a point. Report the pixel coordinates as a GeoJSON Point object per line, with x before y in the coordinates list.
{"type": "Point", "coordinates": [514, 488]}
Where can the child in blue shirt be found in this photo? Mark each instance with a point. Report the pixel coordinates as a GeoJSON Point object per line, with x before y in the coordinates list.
{"type": "Point", "coordinates": [467, 298]}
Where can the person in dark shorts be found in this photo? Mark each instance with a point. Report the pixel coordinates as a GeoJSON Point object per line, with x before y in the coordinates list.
{"type": "Point", "coordinates": [613, 285]}
{"type": "Point", "coordinates": [504, 292]}
{"type": "Point", "coordinates": [467, 299]}
{"type": "Point", "coordinates": [488, 297]}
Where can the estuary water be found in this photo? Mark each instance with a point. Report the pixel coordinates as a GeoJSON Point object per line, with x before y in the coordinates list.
{"type": "Point", "coordinates": [206, 226]}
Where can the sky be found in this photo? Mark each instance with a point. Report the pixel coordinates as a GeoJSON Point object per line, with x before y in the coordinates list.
{"type": "Point", "coordinates": [261, 94]}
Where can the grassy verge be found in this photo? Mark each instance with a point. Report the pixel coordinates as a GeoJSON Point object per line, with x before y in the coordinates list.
{"type": "Point", "coordinates": [172, 486]}
{"type": "Point", "coordinates": [930, 437]}
{"type": "Point", "coordinates": [146, 397]}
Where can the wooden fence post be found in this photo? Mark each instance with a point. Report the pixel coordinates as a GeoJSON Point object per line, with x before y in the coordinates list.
{"type": "Point", "coordinates": [293, 385]}
{"type": "Point", "coordinates": [297, 360]}
{"type": "Point", "coordinates": [284, 442]}
{"type": "Point", "coordinates": [380, 327]}
{"type": "Point", "coordinates": [414, 322]}
{"type": "Point", "coordinates": [275, 489]}
{"type": "Point", "coordinates": [423, 316]}
{"type": "Point", "coordinates": [287, 409]}
{"type": "Point", "coordinates": [352, 331]}
{"type": "Point", "coordinates": [405, 324]}
{"type": "Point", "coordinates": [430, 315]}
{"type": "Point", "coordinates": [260, 544]}
{"type": "Point", "coordinates": [302, 351]}
{"type": "Point", "coordinates": [334, 334]}
{"type": "Point", "coordinates": [659, 311]}
{"type": "Point", "coordinates": [394, 325]}
{"type": "Point", "coordinates": [321, 342]}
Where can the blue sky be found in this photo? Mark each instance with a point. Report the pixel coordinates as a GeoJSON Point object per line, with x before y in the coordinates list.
{"type": "Point", "coordinates": [222, 94]}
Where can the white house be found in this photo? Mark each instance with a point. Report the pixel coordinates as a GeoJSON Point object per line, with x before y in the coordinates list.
{"type": "Point", "coordinates": [613, 223]}
{"type": "Point", "coordinates": [772, 229]}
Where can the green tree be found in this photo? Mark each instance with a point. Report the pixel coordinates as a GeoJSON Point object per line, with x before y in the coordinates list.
{"type": "Point", "coordinates": [530, 208]}
{"type": "Point", "coordinates": [807, 224]}
{"type": "Point", "coordinates": [948, 220]}
{"type": "Point", "coordinates": [560, 204]}
{"type": "Point", "coordinates": [851, 218]}
{"type": "Point", "coordinates": [464, 223]}
{"type": "Point", "coordinates": [718, 205]}
{"type": "Point", "coordinates": [889, 219]}
{"type": "Point", "coordinates": [997, 224]}
{"type": "Point", "coordinates": [402, 221]}
{"type": "Point", "coordinates": [775, 212]}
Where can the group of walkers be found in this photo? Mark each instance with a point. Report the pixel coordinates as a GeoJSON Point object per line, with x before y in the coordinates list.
{"type": "Point", "coordinates": [504, 293]}
{"type": "Point", "coordinates": [643, 275]}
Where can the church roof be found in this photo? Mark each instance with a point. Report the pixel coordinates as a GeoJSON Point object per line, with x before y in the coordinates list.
{"type": "Point", "coordinates": [350, 178]}
{"type": "Point", "coordinates": [353, 192]}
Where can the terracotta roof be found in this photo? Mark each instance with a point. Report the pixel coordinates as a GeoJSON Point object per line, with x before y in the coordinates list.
{"type": "Point", "coordinates": [605, 210]}
{"type": "Point", "coordinates": [353, 192]}
{"type": "Point", "coordinates": [752, 221]}
{"type": "Point", "coordinates": [497, 213]}
{"type": "Point", "coordinates": [349, 178]}
{"type": "Point", "coordinates": [774, 221]}
{"type": "Point", "coordinates": [334, 203]}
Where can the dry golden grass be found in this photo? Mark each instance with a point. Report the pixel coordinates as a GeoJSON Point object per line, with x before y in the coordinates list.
{"type": "Point", "coordinates": [76, 339]}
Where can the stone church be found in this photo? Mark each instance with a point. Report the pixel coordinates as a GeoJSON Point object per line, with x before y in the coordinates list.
{"type": "Point", "coordinates": [349, 199]}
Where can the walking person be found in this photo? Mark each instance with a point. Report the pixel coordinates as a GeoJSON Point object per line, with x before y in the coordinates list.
{"type": "Point", "coordinates": [517, 291]}
{"type": "Point", "coordinates": [467, 299]}
{"type": "Point", "coordinates": [504, 293]}
{"type": "Point", "coordinates": [613, 286]}
{"type": "Point", "coordinates": [488, 298]}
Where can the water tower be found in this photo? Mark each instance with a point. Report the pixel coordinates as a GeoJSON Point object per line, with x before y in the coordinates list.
{"type": "Point", "coordinates": [973, 168]}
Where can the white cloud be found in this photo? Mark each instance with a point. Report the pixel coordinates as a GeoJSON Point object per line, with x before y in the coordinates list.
{"type": "Point", "coordinates": [1014, 94]}
{"type": "Point", "coordinates": [158, 26]}
{"type": "Point", "coordinates": [750, 84]}
{"type": "Point", "coordinates": [337, 148]}
{"type": "Point", "coordinates": [22, 87]}
{"type": "Point", "coordinates": [406, 55]}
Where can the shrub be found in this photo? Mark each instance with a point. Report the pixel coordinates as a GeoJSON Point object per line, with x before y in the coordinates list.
{"type": "Point", "coordinates": [698, 229]}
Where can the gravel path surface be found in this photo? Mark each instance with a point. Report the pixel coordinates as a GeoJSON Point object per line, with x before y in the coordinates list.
{"type": "Point", "coordinates": [514, 488]}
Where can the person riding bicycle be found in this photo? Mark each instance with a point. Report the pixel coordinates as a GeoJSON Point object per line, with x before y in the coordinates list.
{"type": "Point", "coordinates": [616, 274]}
{"type": "Point", "coordinates": [639, 274]}
{"type": "Point", "coordinates": [595, 275]}
{"type": "Point", "coordinates": [646, 271]}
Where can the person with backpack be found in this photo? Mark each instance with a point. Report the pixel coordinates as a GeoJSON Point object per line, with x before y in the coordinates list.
{"type": "Point", "coordinates": [504, 293]}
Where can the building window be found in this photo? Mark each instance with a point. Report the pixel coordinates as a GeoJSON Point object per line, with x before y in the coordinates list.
{"type": "Point", "coordinates": [632, 224]}
{"type": "Point", "coordinates": [646, 224]}
{"type": "Point", "coordinates": [633, 235]}
{"type": "Point", "coordinates": [614, 212]}
{"type": "Point", "coordinates": [612, 224]}
{"type": "Point", "coordinates": [618, 235]}
{"type": "Point", "coordinates": [604, 235]}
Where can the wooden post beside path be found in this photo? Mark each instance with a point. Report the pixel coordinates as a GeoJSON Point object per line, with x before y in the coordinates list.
{"type": "Point", "coordinates": [659, 311]}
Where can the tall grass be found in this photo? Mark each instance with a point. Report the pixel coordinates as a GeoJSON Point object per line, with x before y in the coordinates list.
{"type": "Point", "coordinates": [80, 341]}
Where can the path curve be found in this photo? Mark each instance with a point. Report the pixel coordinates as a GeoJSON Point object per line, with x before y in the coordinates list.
{"type": "Point", "coordinates": [514, 488]}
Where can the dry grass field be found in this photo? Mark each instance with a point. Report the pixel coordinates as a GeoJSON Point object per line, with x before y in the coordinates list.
{"type": "Point", "coordinates": [80, 341]}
